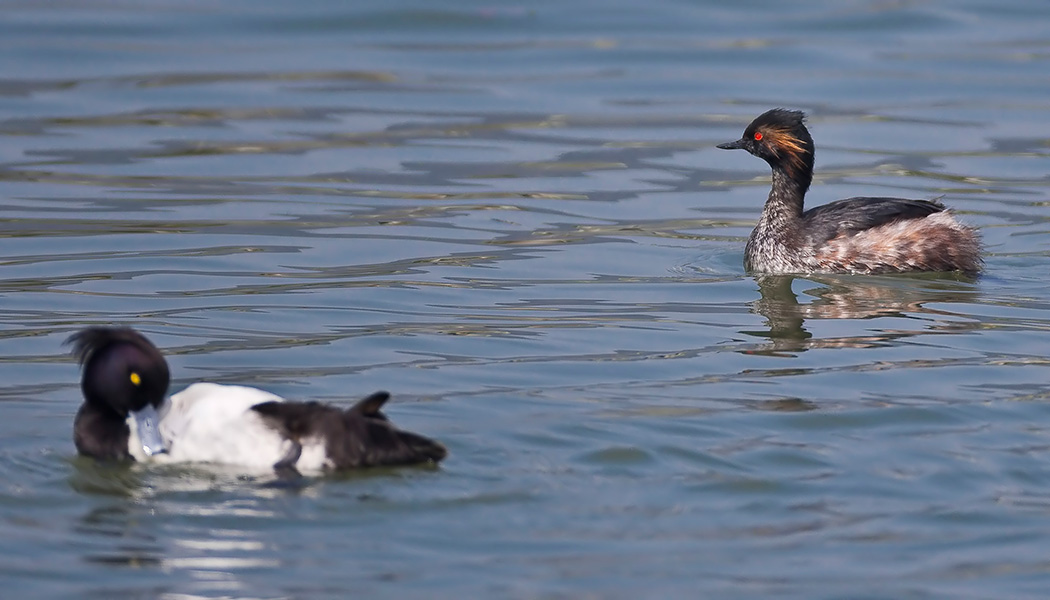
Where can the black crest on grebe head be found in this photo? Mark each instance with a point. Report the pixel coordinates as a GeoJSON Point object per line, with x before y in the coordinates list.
{"type": "Point", "coordinates": [122, 370]}
{"type": "Point", "coordinates": [780, 119]}
{"type": "Point", "coordinates": [780, 137]}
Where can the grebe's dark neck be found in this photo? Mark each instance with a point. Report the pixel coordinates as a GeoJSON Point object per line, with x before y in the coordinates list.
{"type": "Point", "coordinates": [774, 243]}
{"type": "Point", "coordinates": [786, 197]}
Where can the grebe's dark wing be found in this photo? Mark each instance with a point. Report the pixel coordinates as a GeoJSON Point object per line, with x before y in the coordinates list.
{"type": "Point", "coordinates": [849, 216]}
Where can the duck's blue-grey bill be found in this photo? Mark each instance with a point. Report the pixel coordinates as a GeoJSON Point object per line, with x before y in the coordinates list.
{"type": "Point", "coordinates": [146, 421]}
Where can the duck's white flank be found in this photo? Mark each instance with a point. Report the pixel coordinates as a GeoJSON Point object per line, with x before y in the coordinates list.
{"type": "Point", "coordinates": [209, 422]}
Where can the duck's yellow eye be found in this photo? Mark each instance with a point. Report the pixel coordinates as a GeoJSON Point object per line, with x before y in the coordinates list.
{"type": "Point", "coordinates": [135, 379]}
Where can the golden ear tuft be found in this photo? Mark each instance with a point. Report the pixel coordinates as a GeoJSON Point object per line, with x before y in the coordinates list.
{"type": "Point", "coordinates": [135, 378]}
{"type": "Point", "coordinates": [783, 141]}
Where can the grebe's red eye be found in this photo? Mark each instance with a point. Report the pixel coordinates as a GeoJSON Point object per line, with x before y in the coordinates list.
{"type": "Point", "coordinates": [758, 136]}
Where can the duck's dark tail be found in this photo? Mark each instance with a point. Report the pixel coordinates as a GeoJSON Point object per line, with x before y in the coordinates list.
{"type": "Point", "coordinates": [360, 436]}
{"type": "Point", "coordinates": [385, 443]}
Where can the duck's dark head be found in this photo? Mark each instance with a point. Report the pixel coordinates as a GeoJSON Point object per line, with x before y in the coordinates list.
{"type": "Point", "coordinates": [124, 375]}
{"type": "Point", "coordinates": [780, 137]}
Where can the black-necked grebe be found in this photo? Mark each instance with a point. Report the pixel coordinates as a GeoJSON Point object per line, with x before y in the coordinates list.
{"type": "Point", "coordinates": [855, 235]}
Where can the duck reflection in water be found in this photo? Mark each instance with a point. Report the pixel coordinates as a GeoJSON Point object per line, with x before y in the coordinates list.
{"type": "Point", "coordinates": [846, 297]}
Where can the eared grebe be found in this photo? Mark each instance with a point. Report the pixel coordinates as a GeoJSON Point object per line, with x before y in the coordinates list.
{"type": "Point", "coordinates": [855, 235]}
{"type": "Point", "coordinates": [125, 415]}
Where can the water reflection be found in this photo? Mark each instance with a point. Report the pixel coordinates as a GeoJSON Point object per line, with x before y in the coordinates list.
{"type": "Point", "coordinates": [846, 297]}
{"type": "Point", "coordinates": [116, 538]}
{"type": "Point", "coordinates": [203, 522]}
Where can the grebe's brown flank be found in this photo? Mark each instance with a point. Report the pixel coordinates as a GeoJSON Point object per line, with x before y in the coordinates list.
{"type": "Point", "coordinates": [855, 235]}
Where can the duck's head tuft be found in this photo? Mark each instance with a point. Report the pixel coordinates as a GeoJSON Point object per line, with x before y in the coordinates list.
{"type": "Point", "coordinates": [122, 370]}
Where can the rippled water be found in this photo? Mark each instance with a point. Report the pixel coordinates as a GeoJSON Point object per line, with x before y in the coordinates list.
{"type": "Point", "coordinates": [513, 217]}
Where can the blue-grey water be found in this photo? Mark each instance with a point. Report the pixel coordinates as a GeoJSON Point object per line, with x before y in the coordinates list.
{"type": "Point", "coordinates": [512, 216]}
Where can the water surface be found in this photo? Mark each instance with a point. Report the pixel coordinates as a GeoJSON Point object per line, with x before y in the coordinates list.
{"type": "Point", "coordinates": [513, 217]}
